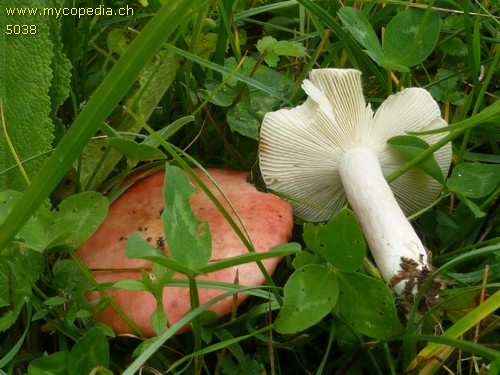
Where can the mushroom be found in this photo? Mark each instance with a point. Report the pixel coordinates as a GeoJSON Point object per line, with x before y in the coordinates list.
{"type": "Point", "coordinates": [268, 220]}
{"type": "Point", "coordinates": [333, 148]}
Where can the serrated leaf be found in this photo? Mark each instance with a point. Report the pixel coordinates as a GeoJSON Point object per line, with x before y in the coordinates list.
{"type": "Point", "coordinates": [367, 305]}
{"type": "Point", "coordinates": [189, 239]}
{"type": "Point", "coordinates": [91, 351]}
{"type": "Point", "coordinates": [25, 68]}
{"type": "Point", "coordinates": [410, 146]}
{"type": "Point", "coordinates": [79, 215]}
{"type": "Point", "coordinates": [361, 29]}
{"type": "Point", "coordinates": [309, 295]}
{"type": "Point", "coordinates": [474, 180]}
{"type": "Point", "coordinates": [411, 36]}
{"type": "Point", "coordinates": [136, 152]}
{"type": "Point", "coordinates": [341, 241]}
{"type": "Point", "coordinates": [60, 66]}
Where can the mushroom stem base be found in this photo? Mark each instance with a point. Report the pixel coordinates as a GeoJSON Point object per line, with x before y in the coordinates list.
{"type": "Point", "coordinates": [395, 247]}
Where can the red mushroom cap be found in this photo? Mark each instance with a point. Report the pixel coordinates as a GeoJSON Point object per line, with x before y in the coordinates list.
{"type": "Point", "coordinates": [268, 220]}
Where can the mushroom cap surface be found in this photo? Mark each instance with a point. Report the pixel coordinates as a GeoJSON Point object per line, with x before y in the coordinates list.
{"type": "Point", "coordinates": [301, 148]}
{"type": "Point", "coordinates": [268, 220]}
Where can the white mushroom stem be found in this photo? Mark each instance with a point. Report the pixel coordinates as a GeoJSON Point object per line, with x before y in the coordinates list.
{"type": "Point", "coordinates": [390, 236]}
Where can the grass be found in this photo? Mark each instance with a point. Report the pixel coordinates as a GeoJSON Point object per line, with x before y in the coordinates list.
{"type": "Point", "coordinates": [188, 79]}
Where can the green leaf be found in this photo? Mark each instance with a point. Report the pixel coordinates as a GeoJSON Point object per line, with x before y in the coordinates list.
{"type": "Point", "coordinates": [341, 241]}
{"type": "Point", "coordinates": [55, 301]}
{"type": "Point", "coordinates": [367, 305]}
{"type": "Point", "coordinates": [309, 295]}
{"type": "Point", "coordinates": [34, 233]}
{"type": "Point", "coordinates": [275, 49]}
{"type": "Point", "coordinates": [53, 364]}
{"type": "Point", "coordinates": [189, 240]}
{"type": "Point", "coordinates": [159, 319]}
{"type": "Point", "coordinates": [474, 180]}
{"type": "Point", "coordinates": [220, 94]}
{"type": "Point", "coordinates": [25, 68]}
{"type": "Point", "coordinates": [246, 116]}
{"type": "Point", "coordinates": [21, 269]}
{"type": "Point", "coordinates": [79, 215]}
{"type": "Point", "coordinates": [168, 131]}
{"type": "Point", "coordinates": [154, 81]}
{"type": "Point", "coordinates": [361, 29]}
{"type": "Point", "coordinates": [67, 274]}
{"type": "Point", "coordinates": [410, 146]}
{"type": "Point", "coordinates": [135, 285]}
{"type": "Point", "coordinates": [411, 36]}
{"type": "Point", "coordinates": [138, 247]}
{"type": "Point", "coordinates": [136, 152]}
{"type": "Point", "coordinates": [60, 66]}
{"type": "Point", "coordinates": [447, 89]}
{"type": "Point", "coordinates": [89, 352]}
{"type": "Point", "coordinates": [473, 207]}
{"type": "Point", "coordinates": [114, 86]}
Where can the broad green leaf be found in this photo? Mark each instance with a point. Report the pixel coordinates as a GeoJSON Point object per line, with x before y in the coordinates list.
{"type": "Point", "coordinates": [361, 29]}
{"type": "Point", "coordinates": [159, 319]}
{"type": "Point", "coordinates": [114, 86]}
{"type": "Point", "coordinates": [53, 364]}
{"type": "Point", "coordinates": [189, 240]}
{"type": "Point", "coordinates": [80, 215]}
{"type": "Point", "coordinates": [474, 180]}
{"type": "Point", "coordinates": [220, 94]}
{"type": "Point", "coordinates": [67, 274]}
{"type": "Point", "coordinates": [26, 63]}
{"type": "Point", "coordinates": [309, 295]}
{"type": "Point", "coordinates": [367, 305]}
{"type": "Point", "coordinates": [138, 247]}
{"type": "Point", "coordinates": [410, 146]}
{"type": "Point", "coordinates": [34, 233]}
{"type": "Point", "coordinates": [274, 49]}
{"type": "Point", "coordinates": [411, 36]}
{"type": "Point", "coordinates": [246, 116]}
{"type": "Point", "coordinates": [136, 152]}
{"type": "Point", "coordinates": [341, 241]}
{"type": "Point", "coordinates": [91, 351]}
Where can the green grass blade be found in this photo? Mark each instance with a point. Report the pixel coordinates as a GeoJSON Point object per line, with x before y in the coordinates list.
{"type": "Point", "coordinates": [109, 93]}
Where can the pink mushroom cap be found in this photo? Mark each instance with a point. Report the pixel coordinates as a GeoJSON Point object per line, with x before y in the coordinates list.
{"type": "Point", "coordinates": [268, 220]}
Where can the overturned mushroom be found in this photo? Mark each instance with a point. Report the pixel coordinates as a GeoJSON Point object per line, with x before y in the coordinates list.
{"type": "Point", "coordinates": [333, 148]}
{"type": "Point", "coordinates": [267, 219]}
